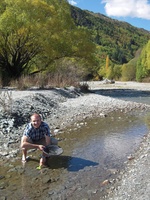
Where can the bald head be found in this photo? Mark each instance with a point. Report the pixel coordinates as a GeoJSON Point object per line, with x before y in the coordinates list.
{"type": "Point", "coordinates": [35, 115]}
{"type": "Point", "coordinates": [36, 120]}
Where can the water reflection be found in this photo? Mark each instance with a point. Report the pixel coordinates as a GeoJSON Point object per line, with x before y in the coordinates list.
{"type": "Point", "coordinates": [90, 154]}
{"type": "Point", "coordinates": [112, 145]}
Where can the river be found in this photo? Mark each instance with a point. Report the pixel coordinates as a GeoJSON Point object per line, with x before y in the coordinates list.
{"type": "Point", "coordinates": [93, 156]}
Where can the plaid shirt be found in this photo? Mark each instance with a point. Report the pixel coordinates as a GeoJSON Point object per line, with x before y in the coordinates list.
{"type": "Point", "coordinates": [36, 134]}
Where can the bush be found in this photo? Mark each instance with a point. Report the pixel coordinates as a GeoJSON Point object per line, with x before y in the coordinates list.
{"type": "Point", "coordinates": [84, 87]}
{"type": "Point", "coordinates": [129, 71]}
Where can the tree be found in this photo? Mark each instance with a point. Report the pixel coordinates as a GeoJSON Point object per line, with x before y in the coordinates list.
{"type": "Point", "coordinates": [143, 63]}
{"type": "Point", "coordinates": [107, 63]}
{"type": "Point", "coordinates": [129, 71]}
{"type": "Point", "coordinates": [117, 72]}
{"type": "Point", "coordinates": [18, 42]}
{"type": "Point", "coordinates": [15, 54]}
{"type": "Point", "coordinates": [35, 34]}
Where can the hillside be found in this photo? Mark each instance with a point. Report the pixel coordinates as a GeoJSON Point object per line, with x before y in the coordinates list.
{"type": "Point", "coordinates": [117, 39]}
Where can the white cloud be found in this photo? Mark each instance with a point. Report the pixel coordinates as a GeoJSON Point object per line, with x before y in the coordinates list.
{"type": "Point", "coordinates": [128, 8]}
{"type": "Point", "coordinates": [72, 2]}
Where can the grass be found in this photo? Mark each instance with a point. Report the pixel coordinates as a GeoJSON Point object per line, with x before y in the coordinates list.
{"type": "Point", "coordinates": [44, 81]}
{"type": "Point", "coordinates": [39, 81]}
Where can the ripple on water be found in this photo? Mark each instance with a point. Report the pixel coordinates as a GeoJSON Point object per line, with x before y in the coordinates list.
{"type": "Point", "coordinates": [91, 155]}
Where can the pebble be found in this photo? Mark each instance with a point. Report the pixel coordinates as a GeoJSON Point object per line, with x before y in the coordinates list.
{"type": "Point", "coordinates": [65, 107]}
{"type": "Point", "coordinates": [56, 108]}
{"type": "Point", "coordinates": [134, 182]}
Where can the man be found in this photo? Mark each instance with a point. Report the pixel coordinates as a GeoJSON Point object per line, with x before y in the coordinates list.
{"type": "Point", "coordinates": [36, 136]}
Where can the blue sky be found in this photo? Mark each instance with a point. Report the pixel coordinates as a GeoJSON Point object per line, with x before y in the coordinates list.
{"type": "Point", "coordinates": [135, 12]}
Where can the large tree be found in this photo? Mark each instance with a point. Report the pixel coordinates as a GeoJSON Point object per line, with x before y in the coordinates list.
{"type": "Point", "coordinates": [143, 63]}
{"type": "Point", "coordinates": [35, 33]}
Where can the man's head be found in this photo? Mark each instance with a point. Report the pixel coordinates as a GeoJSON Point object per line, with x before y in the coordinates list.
{"type": "Point", "coordinates": [36, 120]}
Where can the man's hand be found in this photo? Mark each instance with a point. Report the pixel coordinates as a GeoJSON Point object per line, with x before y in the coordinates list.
{"type": "Point", "coordinates": [41, 147]}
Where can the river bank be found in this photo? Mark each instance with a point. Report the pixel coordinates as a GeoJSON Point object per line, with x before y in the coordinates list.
{"type": "Point", "coordinates": [134, 181]}
{"type": "Point", "coordinates": [61, 107]}
{"type": "Point", "coordinates": [65, 107]}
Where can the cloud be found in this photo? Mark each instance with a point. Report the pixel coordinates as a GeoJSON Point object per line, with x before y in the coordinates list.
{"type": "Point", "coordinates": [127, 8]}
{"type": "Point", "coordinates": [72, 2]}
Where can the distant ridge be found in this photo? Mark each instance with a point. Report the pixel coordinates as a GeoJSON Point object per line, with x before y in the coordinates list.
{"type": "Point", "coordinates": [120, 40]}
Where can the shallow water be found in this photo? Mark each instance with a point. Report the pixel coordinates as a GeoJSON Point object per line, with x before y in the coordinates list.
{"type": "Point", "coordinates": [92, 154]}
{"type": "Point", "coordinates": [127, 94]}
{"type": "Point", "coordinates": [109, 141]}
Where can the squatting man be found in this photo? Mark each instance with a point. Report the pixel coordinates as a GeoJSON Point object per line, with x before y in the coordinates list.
{"type": "Point", "coordinates": [36, 136]}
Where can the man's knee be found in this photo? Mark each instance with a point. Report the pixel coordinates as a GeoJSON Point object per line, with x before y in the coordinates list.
{"type": "Point", "coordinates": [24, 139]}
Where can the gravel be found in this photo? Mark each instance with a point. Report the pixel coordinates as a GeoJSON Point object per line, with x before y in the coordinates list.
{"type": "Point", "coordinates": [134, 183]}
{"type": "Point", "coordinates": [63, 107]}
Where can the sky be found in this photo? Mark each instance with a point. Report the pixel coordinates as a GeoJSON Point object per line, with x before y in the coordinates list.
{"type": "Point", "coordinates": [135, 12]}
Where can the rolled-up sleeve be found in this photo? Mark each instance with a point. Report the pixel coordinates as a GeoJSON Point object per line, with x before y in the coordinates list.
{"type": "Point", "coordinates": [47, 131]}
{"type": "Point", "coordinates": [27, 131]}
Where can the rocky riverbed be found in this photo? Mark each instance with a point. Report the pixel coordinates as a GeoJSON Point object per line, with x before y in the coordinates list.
{"type": "Point", "coordinates": [65, 107]}
{"type": "Point", "coordinates": [134, 182]}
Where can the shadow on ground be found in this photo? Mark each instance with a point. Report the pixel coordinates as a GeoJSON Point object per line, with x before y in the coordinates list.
{"type": "Point", "coordinates": [70, 163]}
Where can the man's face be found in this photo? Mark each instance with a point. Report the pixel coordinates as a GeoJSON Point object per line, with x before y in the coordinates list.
{"type": "Point", "coordinates": [35, 121]}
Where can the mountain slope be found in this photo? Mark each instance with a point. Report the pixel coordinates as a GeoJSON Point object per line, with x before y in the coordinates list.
{"type": "Point", "coordinates": [117, 39]}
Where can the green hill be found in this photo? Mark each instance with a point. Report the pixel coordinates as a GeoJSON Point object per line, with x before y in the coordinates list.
{"type": "Point", "coordinates": [119, 40]}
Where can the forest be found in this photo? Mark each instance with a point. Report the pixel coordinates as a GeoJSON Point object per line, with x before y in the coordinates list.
{"type": "Point", "coordinates": [54, 40]}
{"type": "Point", "coordinates": [119, 46]}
